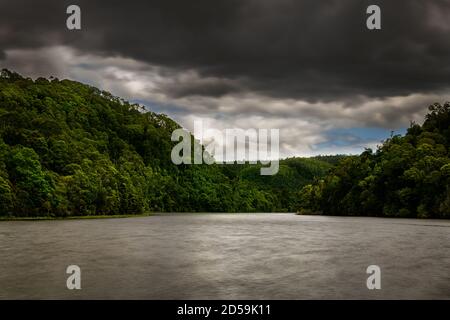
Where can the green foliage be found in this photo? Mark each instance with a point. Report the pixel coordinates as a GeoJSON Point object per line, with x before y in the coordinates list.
{"type": "Point", "coordinates": [293, 174]}
{"type": "Point", "coordinates": [406, 177]}
{"type": "Point", "coordinates": [68, 149]}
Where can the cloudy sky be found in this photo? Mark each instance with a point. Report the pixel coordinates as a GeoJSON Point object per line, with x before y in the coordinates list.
{"type": "Point", "coordinates": [310, 68]}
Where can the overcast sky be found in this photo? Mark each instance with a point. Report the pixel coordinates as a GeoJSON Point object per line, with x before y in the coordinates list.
{"type": "Point", "coordinates": [308, 67]}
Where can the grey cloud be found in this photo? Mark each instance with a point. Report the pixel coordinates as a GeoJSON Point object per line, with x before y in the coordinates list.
{"type": "Point", "coordinates": [157, 88]}
{"type": "Point", "coordinates": [208, 87]}
{"type": "Point", "coordinates": [310, 50]}
{"type": "Point", "coordinates": [302, 66]}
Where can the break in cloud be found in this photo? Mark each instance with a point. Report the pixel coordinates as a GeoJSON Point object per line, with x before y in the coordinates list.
{"type": "Point", "coordinates": [310, 68]}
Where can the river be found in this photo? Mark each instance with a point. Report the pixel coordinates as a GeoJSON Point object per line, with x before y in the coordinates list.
{"type": "Point", "coordinates": [226, 256]}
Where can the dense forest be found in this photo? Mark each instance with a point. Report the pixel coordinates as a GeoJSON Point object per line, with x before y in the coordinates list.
{"type": "Point", "coordinates": [407, 176]}
{"type": "Point", "coordinates": [69, 149]}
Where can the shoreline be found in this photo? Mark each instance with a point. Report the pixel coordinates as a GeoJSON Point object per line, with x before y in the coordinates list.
{"type": "Point", "coordinates": [122, 216]}
{"type": "Point", "coordinates": [45, 218]}
{"type": "Point", "coordinates": [149, 214]}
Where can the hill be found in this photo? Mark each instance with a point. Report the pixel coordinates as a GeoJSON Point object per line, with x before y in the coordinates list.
{"type": "Point", "coordinates": [408, 176]}
{"type": "Point", "coordinates": [69, 149]}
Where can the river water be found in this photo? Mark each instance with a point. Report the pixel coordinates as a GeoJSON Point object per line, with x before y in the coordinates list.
{"type": "Point", "coordinates": [226, 256]}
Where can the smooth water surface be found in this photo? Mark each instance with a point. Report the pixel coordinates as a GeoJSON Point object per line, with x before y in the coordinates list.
{"type": "Point", "coordinates": [225, 256]}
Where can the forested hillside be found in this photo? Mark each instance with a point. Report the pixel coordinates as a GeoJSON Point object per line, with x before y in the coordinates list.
{"type": "Point", "coordinates": [408, 176]}
{"type": "Point", "coordinates": [69, 149]}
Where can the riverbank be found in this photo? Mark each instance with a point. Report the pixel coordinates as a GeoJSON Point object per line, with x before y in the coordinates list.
{"type": "Point", "coordinates": [118, 216]}
{"type": "Point", "coordinates": [44, 218]}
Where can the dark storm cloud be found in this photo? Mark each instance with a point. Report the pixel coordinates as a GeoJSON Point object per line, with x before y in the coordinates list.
{"type": "Point", "coordinates": [205, 87]}
{"type": "Point", "coordinates": [311, 50]}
